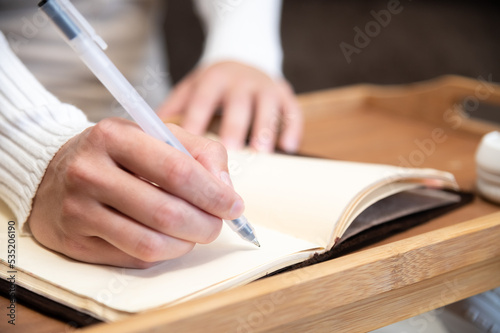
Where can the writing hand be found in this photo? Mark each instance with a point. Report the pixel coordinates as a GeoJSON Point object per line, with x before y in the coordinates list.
{"type": "Point", "coordinates": [97, 201]}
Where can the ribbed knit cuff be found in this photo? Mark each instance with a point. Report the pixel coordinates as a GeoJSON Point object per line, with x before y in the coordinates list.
{"type": "Point", "coordinates": [246, 31]}
{"type": "Point", "coordinates": [33, 127]}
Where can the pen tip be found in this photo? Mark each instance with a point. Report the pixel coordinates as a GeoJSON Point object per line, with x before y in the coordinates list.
{"type": "Point", "coordinates": [256, 242]}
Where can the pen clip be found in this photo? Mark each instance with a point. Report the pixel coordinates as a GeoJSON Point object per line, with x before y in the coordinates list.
{"type": "Point", "coordinates": [82, 23]}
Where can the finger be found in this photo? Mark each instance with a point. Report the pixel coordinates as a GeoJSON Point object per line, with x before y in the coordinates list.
{"type": "Point", "coordinates": [177, 100]}
{"type": "Point", "coordinates": [292, 120]}
{"type": "Point", "coordinates": [237, 117]}
{"type": "Point", "coordinates": [204, 100]}
{"type": "Point", "coordinates": [87, 229]}
{"type": "Point", "coordinates": [174, 171]}
{"type": "Point", "coordinates": [266, 122]}
{"type": "Point", "coordinates": [135, 239]}
{"type": "Point", "coordinates": [160, 211]}
{"type": "Point", "coordinates": [96, 250]}
{"type": "Point", "coordinates": [211, 154]}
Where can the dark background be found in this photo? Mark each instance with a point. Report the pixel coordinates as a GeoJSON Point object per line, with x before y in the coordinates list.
{"type": "Point", "coordinates": [426, 39]}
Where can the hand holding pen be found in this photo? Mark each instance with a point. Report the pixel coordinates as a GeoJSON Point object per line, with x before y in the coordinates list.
{"type": "Point", "coordinates": [88, 45]}
{"type": "Point", "coordinates": [93, 203]}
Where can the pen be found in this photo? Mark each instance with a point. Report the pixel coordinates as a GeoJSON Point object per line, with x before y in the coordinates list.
{"type": "Point", "coordinates": [89, 46]}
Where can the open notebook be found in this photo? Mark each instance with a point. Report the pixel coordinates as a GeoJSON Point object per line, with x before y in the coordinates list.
{"type": "Point", "coordinates": [299, 207]}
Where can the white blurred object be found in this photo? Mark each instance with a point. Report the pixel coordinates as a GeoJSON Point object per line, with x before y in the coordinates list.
{"type": "Point", "coordinates": [440, 320]}
{"type": "Point", "coordinates": [482, 310]}
{"type": "Point", "coordinates": [488, 167]}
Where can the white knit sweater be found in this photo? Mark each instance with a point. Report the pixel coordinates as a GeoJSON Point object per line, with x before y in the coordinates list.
{"type": "Point", "coordinates": [33, 126]}
{"type": "Point", "coordinates": [243, 30]}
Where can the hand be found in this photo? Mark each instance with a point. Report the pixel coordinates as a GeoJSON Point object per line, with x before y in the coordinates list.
{"type": "Point", "coordinates": [248, 97]}
{"type": "Point", "coordinates": [97, 201]}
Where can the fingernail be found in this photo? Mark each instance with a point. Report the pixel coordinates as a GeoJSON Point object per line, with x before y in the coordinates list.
{"type": "Point", "coordinates": [224, 176]}
{"type": "Point", "coordinates": [290, 145]}
{"type": "Point", "coordinates": [264, 148]}
{"type": "Point", "coordinates": [231, 144]}
{"type": "Point", "coordinates": [237, 209]}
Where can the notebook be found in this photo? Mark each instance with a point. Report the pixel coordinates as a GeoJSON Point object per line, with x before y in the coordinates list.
{"type": "Point", "coordinates": [300, 207]}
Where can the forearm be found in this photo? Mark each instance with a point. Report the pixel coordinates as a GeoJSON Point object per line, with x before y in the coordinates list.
{"type": "Point", "coordinates": [246, 31]}
{"type": "Point", "coordinates": [33, 126]}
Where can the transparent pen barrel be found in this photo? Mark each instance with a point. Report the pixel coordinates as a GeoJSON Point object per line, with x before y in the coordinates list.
{"type": "Point", "coordinates": [123, 91]}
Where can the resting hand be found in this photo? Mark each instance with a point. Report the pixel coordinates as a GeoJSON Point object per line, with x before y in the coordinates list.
{"type": "Point", "coordinates": [248, 98]}
{"type": "Point", "coordinates": [95, 205]}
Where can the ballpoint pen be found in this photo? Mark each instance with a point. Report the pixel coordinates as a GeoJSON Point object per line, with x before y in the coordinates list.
{"type": "Point", "coordinates": [82, 38]}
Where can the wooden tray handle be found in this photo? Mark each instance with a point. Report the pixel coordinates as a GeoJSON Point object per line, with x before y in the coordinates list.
{"type": "Point", "coordinates": [443, 101]}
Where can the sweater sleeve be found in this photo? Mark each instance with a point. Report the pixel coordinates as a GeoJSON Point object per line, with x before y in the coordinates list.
{"type": "Point", "coordinates": [33, 126]}
{"type": "Point", "coordinates": [243, 30]}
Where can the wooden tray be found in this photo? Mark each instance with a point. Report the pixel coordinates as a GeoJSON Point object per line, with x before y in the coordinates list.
{"type": "Point", "coordinates": [431, 265]}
